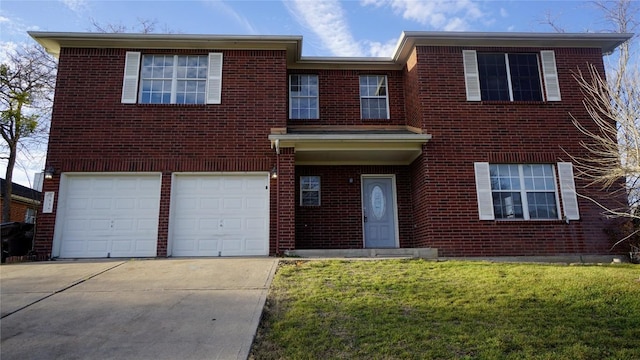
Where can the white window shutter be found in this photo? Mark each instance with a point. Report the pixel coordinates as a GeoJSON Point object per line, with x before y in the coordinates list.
{"type": "Point", "coordinates": [568, 191]}
{"type": "Point", "coordinates": [214, 79]}
{"type": "Point", "coordinates": [130, 81]}
{"type": "Point", "coordinates": [471, 75]}
{"type": "Point", "coordinates": [550, 72]}
{"type": "Point", "coordinates": [483, 191]}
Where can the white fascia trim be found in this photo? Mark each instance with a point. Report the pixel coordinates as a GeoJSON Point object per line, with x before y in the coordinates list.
{"type": "Point", "coordinates": [289, 140]}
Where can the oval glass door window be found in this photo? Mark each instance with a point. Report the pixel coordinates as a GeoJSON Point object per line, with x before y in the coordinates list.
{"type": "Point", "coordinates": [377, 202]}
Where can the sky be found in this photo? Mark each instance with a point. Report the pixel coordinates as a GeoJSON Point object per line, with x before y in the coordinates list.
{"type": "Point", "coordinates": [329, 27]}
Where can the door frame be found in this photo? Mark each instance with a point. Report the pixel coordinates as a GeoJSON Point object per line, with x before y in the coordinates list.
{"type": "Point", "coordinates": [395, 205]}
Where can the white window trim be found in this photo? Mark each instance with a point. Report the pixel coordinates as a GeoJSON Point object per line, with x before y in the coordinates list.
{"type": "Point", "coordinates": [317, 97]}
{"type": "Point", "coordinates": [564, 193]}
{"type": "Point", "coordinates": [386, 97]}
{"type": "Point", "coordinates": [318, 191]}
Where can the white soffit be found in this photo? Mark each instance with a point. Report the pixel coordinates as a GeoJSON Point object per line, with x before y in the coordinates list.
{"type": "Point", "coordinates": [352, 149]}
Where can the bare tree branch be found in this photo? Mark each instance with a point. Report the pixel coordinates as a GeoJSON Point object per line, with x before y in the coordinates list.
{"type": "Point", "coordinates": [611, 157]}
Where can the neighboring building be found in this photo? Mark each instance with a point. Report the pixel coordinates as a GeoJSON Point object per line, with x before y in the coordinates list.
{"type": "Point", "coordinates": [24, 202]}
{"type": "Point", "coordinates": [207, 145]}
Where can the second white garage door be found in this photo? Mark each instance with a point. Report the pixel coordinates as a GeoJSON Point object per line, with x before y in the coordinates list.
{"type": "Point", "coordinates": [219, 215]}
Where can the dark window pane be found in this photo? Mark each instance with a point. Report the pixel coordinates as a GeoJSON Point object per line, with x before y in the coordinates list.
{"type": "Point", "coordinates": [542, 205]}
{"type": "Point", "coordinates": [493, 77]}
{"type": "Point", "coordinates": [525, 78]}
{"type": "Point", "coordinates": [507, 205]}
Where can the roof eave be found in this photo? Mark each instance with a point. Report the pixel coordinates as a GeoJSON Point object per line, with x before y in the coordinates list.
{"type": "Point", "coordinates": [54, 41]}
{"type": "Point", "coordinates": [608, 42]}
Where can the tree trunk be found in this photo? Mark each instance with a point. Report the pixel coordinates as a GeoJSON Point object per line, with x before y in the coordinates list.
{"type": "Point", "coordinates": [8, 189]}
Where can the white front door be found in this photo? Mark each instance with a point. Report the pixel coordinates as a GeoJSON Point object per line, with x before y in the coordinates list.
{"type": "Point", "coordinates": [379, 212]}
{"type": "Point", "coordinates": [219, 215]}
{"type": "Point", "coordinates": [107, 215]}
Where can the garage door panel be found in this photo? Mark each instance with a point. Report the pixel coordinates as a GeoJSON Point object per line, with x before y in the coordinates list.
{"type": "Point", "coordinates": [109, 215]}
{"type": "Point", "coordinates": [147, 203]}
{"type": "Point", "coordinates": [256, 224]}
{"type": "Point", "coordinates": [103, 184]}
{"type": "Point", "coordinates": [256, 203]}
{"type": "Point", "coordinates": [233, 245]}
{"type": "Point", "coordinates": [207, 225]}
{"type": "Point", "coordinates": [184, 244]}
{"type": "Point", "coordinates": [253, 244]}
{"type": "Point", "coordinates": [228, 208]}
{"type": "Point", "coordinates": [210, 203]}
{"type": "Point", "coordinates": [125, 204]}
{"type": "Point", "coordinates": [232, 204]}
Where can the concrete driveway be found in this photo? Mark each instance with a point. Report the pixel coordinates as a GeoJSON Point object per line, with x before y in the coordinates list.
{"type": "Point", "coordinates": [135, 309]}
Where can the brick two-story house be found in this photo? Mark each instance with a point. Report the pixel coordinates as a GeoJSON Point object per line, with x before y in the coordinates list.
{"type": "Point", "coordinates": [206, 145]}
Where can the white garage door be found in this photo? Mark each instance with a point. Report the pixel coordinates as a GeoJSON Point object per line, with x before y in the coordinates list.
{"type": "Point", "coordinates": [220, 215]}
{"type": "Point", "coordinates": [108, 216]}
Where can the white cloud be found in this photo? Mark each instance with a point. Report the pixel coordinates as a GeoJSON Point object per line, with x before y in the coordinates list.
{"type": "Point", "coordinates": [327, 20]}
{"type": "Point", "coordinates": [378, 49]}
{"type": "Point", "coordinates": [77, 6]}
{"type": "Point", "coordinates": [449, 15]}
{"type": "Point", "coordinates": [229, 11]}
{"type": "Point", "coordinates": [504, 13]}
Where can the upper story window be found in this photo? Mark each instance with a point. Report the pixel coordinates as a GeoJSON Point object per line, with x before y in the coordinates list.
{"type": "Point", "coordinates": [510, 76]}
{"type": "Point", "coordinates": [172, 79]}
{"type": "Point", "coordinates": [303, 97]}
{"type": "Point", "coordinates": [374, 101]}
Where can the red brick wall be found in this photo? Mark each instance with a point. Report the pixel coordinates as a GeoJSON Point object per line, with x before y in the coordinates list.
{"type": "Point", "coordinates": [18, 211]}
{"type": "Point", "coordinates": [337, 222]}
{"type": "Point", "coordinates": [92, 131]}
{"type": "Point", "coordinates": [445, 205]}
{"type": "Point", "coordinates": [339, 98]}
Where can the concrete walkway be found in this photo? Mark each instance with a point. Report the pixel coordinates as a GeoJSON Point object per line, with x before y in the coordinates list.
{"type": "Point", "coordinates": [138, 309]}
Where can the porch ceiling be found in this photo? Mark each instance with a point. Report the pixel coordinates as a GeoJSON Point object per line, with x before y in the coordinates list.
{"type": "Point", "coordinates": [351, 147]}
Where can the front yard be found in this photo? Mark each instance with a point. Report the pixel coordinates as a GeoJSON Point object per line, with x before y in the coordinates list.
{"type": "Point", "coordinates": [398, 309]}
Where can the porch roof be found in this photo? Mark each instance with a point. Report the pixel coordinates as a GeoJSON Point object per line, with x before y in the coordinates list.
{"type": "Point", "coordinates": [351, 146]}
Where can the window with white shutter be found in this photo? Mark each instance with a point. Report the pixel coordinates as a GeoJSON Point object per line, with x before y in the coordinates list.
{"type": "Point", "coordinates": [483, 191]}
{"type": "Point", "coordinates": [214, 79]}
{"type": "Point", "coordinates": [130, 81]}
{"type": "Point", "coordinates": [471, 75]}
{"type": "Point", "coordinates": [491, 76]}
{"type": "Point", "coordinates": [550, 72]}
{"type": "Point", "coordinates": [568, 191]}
{"type": "Point", "coordinates": [525, 191]}
{"type": "Point", "coordinates": [172, 79]}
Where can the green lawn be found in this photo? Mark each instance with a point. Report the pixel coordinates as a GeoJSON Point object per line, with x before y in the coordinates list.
{"type": "Point", "coordinates": [416, 309]}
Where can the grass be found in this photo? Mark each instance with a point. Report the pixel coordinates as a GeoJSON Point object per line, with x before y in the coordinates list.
{"type": "Point", "coordinates": [416, 309]}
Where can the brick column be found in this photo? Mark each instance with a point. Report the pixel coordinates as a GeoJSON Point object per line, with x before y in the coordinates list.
{"type": "Point", "coordinates": [163, 219]}
{"type": "Point", "coordinates": [45, 223]}
{"type": "Point", "coordinates": [285, 211]}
